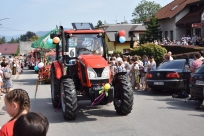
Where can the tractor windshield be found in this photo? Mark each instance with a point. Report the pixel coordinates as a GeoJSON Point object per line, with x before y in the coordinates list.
{"type": "Point", "coordinates": [86, 44]}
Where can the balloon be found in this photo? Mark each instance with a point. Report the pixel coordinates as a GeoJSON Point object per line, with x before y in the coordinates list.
{"type": "Point", "coordinates": [107, 86]}
{"type": "Point", "coordinates": [41, 65]}
{"type": "Point", "coordinates": [122, 39]}
{"type": "Point", "coordinates": [122, 33]}
{"type": "Point", "coordinates": [36, 68]}
{"type": "Point", "coordinates": [56, 40]}
{"type": "Point", "coordinates": [49, 42]}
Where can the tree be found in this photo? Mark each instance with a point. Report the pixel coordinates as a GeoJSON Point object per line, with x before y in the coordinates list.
{"type": "Point", "coordinates": [27, 36]}
{"type": "Point", "coordinates": [33, 38]}
{"type": "Point", "coordinates": [2, 40]}
{"type": "Point", "coordinates": [144, 10]}
{"type": "Point", "coordinates": [152, 30]}
{"type": "Point", "coordinates": [12, 40]}
{"type": "Point", "coordinates": [99, 24]}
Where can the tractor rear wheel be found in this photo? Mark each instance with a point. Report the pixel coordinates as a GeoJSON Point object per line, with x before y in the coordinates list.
{"type": "Point", "coordinates": [55, 86]}
{"type": "Point", "coordinates": [123, 95]}
{"type": "Point", "coordinates": [68, 99]}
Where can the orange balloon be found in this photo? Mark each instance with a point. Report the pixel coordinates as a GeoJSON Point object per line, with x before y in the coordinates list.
{"type": "Point", "coordinates": [56, 40]}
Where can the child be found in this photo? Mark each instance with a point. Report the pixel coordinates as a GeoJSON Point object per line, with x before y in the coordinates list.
{"type": "Point", "coordinates": [31, 124]}
{"type": "Point", "coordinates": [17, 103]}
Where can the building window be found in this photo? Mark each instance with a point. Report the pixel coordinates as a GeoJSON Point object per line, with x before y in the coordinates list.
{"type": "Point", "coordinates": [160, 35]}
{"type": "Point", "coordinates": [166, 34]}
{"type": "Point", "coordinates": [198, 32]}
{"type": "Point", "coordinates": [141, 36]}
{"type": "Point", "coordinates": [171, 35]}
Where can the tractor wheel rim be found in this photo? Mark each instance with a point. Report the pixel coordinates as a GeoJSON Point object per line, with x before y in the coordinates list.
{"type": "Point", "coordinates": [52, 87]}
{"type": "Point", "coordinates": [117, 99]}
{"type": "Point", "coordinates": [62, 97]}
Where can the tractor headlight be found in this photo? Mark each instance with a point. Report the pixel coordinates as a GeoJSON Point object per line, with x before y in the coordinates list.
{"type": "Point", "coordinates": [105, 73]}
{"type": "Point", "coordinates": [91, 73]}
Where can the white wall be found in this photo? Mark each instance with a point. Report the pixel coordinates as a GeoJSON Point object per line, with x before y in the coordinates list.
{"type": "Point", "coordinates": [170, 25]}
{"type": "Point", "coordinates": [181, 14]}
{"type": "Point", "coordinates": [167, 25]}
{"type": "Point", "coordinates": [25, 47]}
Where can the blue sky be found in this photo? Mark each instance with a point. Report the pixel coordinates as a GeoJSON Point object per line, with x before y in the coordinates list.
{"type": "Point", "coordinates": [44, 15]}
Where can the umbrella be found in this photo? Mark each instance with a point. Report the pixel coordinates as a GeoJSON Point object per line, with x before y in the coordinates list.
{"type": "Point", "coordinates": [41, 42]}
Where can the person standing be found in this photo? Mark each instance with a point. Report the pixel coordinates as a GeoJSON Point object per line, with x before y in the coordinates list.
{"type": "Point", "coordinates": [146, 66]}
{"type": "Point", "coordinates": [194, 38]}
{"type": "Point", "coordinates": [153, 64]}
{"type": "Point", "coordinates": [195, 64]}
{"type": "Point", "coordinates": [7, 81]}
{"type": "Point", "coordinates": [170, 57]}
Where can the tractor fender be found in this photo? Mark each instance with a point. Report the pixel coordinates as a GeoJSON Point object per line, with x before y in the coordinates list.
{"type": "Point", "coordinates": [117, 74]}
{"type": "Point", "coordinates": [58, 70]}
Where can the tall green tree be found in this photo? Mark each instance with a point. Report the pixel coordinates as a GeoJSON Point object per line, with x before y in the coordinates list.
{"type": "Point", "coordinates": [27, 36]}
{"type": "Point", "coordinates": [144, 10]}
{"type": "Point", "coordinates": [99, 24]}
{"type": "Point", "coordinates": [152, 30]}
{"type": "Point", "coordinates": [2, 40]}
{"type": "Point", "coordinates": [12, 40]}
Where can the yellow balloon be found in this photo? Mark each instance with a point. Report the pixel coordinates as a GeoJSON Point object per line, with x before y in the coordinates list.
{"type": "Point", "coordinates": [56, 40]}
{"type": "Point", "coordinates": [107, 86]}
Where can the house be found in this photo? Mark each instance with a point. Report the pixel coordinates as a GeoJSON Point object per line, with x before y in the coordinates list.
{"type": "Point", "coordinates": [181, 17]}
{"type": "Point", "coordinates": [110, 30]}
{"type": "Point", "coordinates": [9, 49]}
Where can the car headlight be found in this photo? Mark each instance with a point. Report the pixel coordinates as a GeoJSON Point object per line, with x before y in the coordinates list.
{"type": "Point", "coordinates": [105, 73]}
{"type": "Point", "coordinates": [91, 73]}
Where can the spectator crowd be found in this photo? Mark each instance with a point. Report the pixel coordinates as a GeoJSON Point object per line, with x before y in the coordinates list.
{"type": "Point", "coordinates": [184, 41]}
{"type": "Point", "coordinates": [136, 68]}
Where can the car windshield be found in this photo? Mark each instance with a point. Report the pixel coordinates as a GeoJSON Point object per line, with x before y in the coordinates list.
{"type": "Point", "coordinates": [172, 65]}
{"type": "Point", "coordinates": [86, 43]}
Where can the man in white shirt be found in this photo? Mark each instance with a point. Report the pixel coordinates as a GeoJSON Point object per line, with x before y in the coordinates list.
{"type": "Point", "coordinates": [170, 57]}
{"type": "Point", "coordinates": [119, 58]}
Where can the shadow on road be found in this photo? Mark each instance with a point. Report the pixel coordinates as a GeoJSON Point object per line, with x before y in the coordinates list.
{"type": "Point", "coordinates": [151, 93]}
{"type": "Point", "coordinates": [85, 111]}
{"type": "Point", "coordinates": [201, 115]}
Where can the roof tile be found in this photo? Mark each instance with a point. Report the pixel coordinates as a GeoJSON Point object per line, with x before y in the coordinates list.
{"type": "Point", "coordinates": [8, 48]}
{"type": "Point", "coordinates": [171, 9]}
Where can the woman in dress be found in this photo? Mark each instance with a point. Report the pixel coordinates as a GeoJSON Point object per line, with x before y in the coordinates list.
{"type": "Point", "coordinates": [7, 81]}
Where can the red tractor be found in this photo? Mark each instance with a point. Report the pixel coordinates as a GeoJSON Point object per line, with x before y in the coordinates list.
{"type": "Point", "coordinates": [82, 71]}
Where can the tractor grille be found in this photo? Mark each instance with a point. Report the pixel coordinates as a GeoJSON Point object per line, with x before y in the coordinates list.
{"type": "Point", "coordinates": [98, 71]}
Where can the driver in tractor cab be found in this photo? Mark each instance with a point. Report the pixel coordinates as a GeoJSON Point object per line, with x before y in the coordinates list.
{"type": "Point", "coordinates": [97, 48]}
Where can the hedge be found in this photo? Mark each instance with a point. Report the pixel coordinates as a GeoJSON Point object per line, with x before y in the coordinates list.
{"type": "Point", "coordinates": [150, 50]}
{"type": "Point", "coordinates": [175, 49]}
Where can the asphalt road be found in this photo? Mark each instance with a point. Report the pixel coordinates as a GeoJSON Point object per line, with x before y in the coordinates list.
{"type": "Point", "coordinates": [153, 114]}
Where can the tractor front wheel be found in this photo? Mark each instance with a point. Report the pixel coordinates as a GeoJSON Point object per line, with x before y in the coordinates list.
{"type": "Point", "coordinates": [123, 95]}
{"type": "Point", "coordinates": [55, 83]}
{"type": "Point", "coordinates": [68, 99]}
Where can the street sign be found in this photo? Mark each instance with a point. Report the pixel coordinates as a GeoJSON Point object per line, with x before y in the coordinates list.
{"type": "Point", "coordinates": [196, 25]}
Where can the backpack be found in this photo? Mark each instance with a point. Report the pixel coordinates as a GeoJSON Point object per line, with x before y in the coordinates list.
{"type": "Point", "coordinates": [7, 74]}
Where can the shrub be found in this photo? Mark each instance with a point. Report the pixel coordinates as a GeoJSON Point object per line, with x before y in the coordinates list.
{"type": "Point", "coordinates": [150, 50]}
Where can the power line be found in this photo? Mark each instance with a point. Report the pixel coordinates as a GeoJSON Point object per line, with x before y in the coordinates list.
{"type": "Point", "coordinates": [12, 29]}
